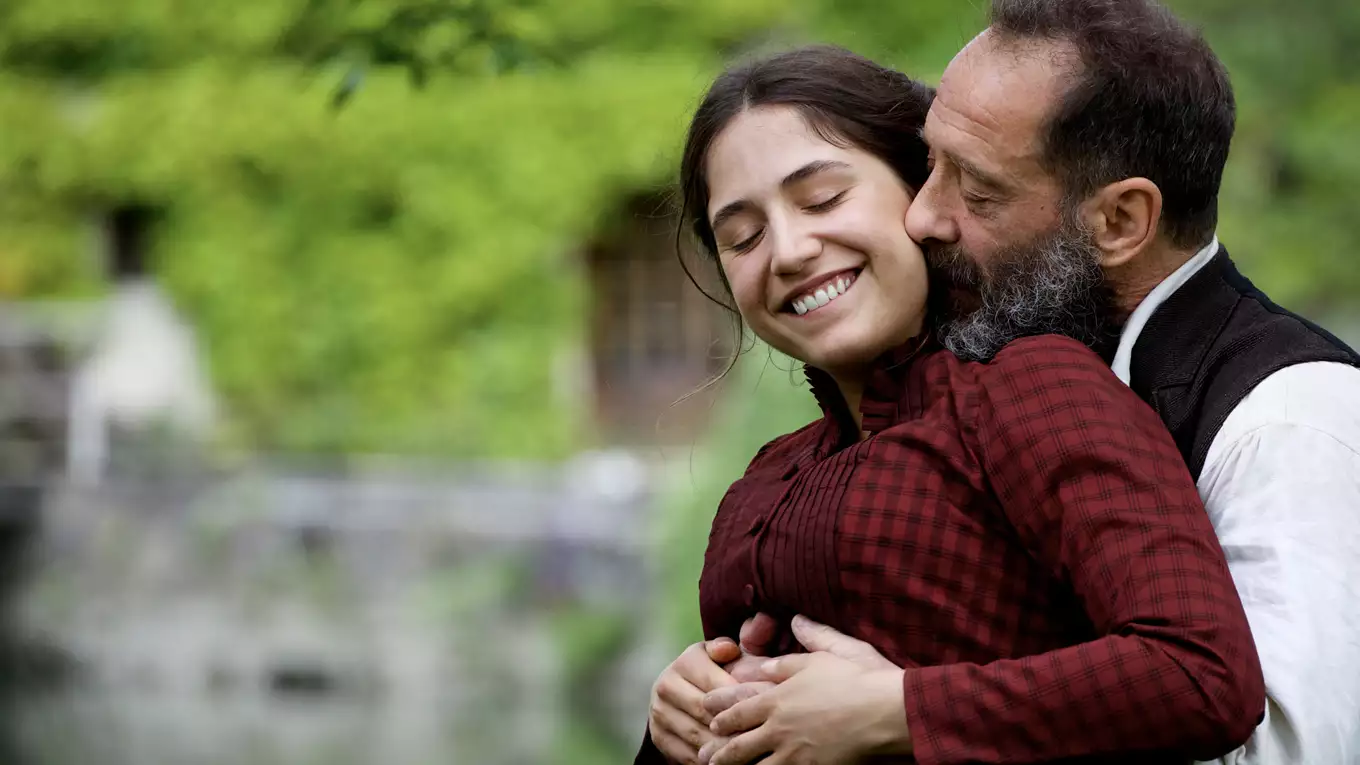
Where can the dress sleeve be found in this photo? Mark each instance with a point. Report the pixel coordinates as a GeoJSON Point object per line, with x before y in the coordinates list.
{"type": "Point", "coordinates": [648, 754]}
{"type": "Point", "coordinates": [1097, 491]}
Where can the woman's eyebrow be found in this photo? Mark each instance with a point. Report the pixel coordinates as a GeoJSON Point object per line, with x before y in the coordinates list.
{"type": "Point", "coordinates": [729, 211]}
{"type": "Point", "coordinates": [811, 169]}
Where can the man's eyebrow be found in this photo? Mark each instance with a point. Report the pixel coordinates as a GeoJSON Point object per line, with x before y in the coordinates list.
{"type": "Point", "coordinates": [986, 178]}
{"type": "Point", "coordinates": [982, 176]}
{"type": "Point", "coordinates": [734, 209]}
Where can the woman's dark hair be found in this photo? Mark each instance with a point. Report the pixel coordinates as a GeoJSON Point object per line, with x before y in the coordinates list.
{"type": "Point", "coordinates": [846, 98]}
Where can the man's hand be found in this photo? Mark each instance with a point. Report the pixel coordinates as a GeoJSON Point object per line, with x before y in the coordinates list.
{"type": "Point", "coordinates": [814, 637]}
{"type": "Point", "coordinates": [677, 720]}
{"type": "Point", "coordinates": [840, 703]}
{"type": "Point", "coordinates": [824, 710]}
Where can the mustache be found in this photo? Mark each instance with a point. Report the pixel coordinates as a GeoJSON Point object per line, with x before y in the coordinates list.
{"type": "Point", "coordinates": [951, 265]}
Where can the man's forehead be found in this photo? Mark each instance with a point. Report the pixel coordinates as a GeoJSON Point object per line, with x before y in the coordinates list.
{"type": "Point", "coordinates": [997, 95]}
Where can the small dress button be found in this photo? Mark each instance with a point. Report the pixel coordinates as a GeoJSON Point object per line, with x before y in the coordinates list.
{"type": "Point", "coordinates": [748, 595]}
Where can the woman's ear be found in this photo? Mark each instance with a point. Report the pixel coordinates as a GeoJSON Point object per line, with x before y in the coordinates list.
{"type": "Point", "coordinates": [1123, 219]}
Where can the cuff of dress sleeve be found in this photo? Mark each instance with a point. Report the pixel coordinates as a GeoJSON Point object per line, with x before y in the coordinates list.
{"type": "Point", "coordinates": [648, 754]}
{"type": "Point", "coordinates": [943, 731]}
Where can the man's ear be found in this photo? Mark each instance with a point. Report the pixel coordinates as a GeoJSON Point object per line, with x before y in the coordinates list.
{"type": "Point", "coordinates": [1123, 219]}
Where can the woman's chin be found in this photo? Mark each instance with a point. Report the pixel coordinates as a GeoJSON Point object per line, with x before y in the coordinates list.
{"type": "Point", "coordinates": [843, 345]}
{"type": "Point", "coordinates": [831, 357]}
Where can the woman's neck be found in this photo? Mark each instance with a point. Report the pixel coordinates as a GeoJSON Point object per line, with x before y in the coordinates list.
{"type": "Point", "coordinates": [853, 379]}
{"type": "Point", "coordinates": [852, 391]}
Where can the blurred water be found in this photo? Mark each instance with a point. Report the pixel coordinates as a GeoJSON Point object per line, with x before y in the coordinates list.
{"type": "Point", "coordinates": [230, 621]}
{"type": "Point", "coordinates": [84, 726]}
{"type": "Point", "coordinates": [127, 728]}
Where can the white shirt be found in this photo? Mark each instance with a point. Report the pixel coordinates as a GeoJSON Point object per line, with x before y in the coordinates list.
{"type": "Point", "coordinates": [1282, 486]}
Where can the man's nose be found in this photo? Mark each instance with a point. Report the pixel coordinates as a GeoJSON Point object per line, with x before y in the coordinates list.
{"type": "Point", "coordinates": [928, 218]}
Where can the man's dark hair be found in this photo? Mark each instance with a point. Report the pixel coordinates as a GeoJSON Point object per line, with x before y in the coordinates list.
{"type": "Point", "coordinates": [1151, 100]}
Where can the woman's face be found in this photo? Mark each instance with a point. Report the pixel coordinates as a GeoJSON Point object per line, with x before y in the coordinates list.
{"type": "Point", "coordinates": [813, 240]}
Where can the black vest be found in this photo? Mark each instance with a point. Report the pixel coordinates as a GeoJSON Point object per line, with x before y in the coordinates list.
{"type": "Point", "coordinates": [1210, 344]}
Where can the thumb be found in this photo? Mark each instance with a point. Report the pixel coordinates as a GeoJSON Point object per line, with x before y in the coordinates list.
{"type": "Point", "coordinates": [757, 634]}
{"type": "Point", "coordinates": [722, 650]}
{"type": "Point", "coordinates": [819, 637]}
{"type": "Point", "coordinates": [785, 667]}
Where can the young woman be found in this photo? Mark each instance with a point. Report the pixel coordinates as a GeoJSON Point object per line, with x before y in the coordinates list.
{"type": "Point", "coordinates": [1020, 537]}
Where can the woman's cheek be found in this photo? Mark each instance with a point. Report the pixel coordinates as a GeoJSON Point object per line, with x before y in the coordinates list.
{"type": "Point", "coordinates": [745, 288]}
{"type": "Point", "coordinates": [866, 230]}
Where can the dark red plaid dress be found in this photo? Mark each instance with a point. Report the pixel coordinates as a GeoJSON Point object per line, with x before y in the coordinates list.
{"type": "Point", "coordinates": [1023, 537]}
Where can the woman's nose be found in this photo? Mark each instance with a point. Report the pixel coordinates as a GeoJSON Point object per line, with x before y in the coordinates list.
{"type": "Point", "coordinates": [791, 248]}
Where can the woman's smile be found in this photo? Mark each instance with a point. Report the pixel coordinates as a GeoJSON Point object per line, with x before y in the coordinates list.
{"type": "Point", "coordinates": [812, 299]}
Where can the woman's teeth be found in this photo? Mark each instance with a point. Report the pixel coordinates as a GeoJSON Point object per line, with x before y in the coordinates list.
{"type": "Point", "coordinates": [823, 295]}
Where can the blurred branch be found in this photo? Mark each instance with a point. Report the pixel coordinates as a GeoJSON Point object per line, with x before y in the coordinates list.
{"type": "Point", "coordinates": [422, 36]}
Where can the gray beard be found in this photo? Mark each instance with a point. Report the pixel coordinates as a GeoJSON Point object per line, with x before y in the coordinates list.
{"type": "Point", "coordinates": [1051, 286]}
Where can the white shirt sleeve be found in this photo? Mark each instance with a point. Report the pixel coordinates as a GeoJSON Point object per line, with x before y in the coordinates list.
{"type": "Point", "coordinates": [1282, 487]}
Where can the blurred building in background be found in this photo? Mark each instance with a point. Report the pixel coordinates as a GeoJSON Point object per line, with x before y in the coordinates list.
{"type": "Point", "coordinates": [656, 341]}
{"type": "Point", "coordinates": [142, 370]}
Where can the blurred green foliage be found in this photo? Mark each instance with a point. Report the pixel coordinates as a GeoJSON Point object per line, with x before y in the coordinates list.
{"type": "Point", "coordinates": [399, 274]}
{"type": "Point", "coordinates": [394, 276]}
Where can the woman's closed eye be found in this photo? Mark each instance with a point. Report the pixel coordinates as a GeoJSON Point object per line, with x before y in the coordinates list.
{"type": "Point", "coordinates": [747, 244]}
{"type": "Point", "coordinates": [828, 204]}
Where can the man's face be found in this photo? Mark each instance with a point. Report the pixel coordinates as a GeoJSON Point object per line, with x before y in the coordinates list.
{"type": "Point", "coordinates": [1009, 258]}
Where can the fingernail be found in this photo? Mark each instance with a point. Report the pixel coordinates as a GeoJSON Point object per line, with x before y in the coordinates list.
{"type": "Point", "coordinates": [769, 666]}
